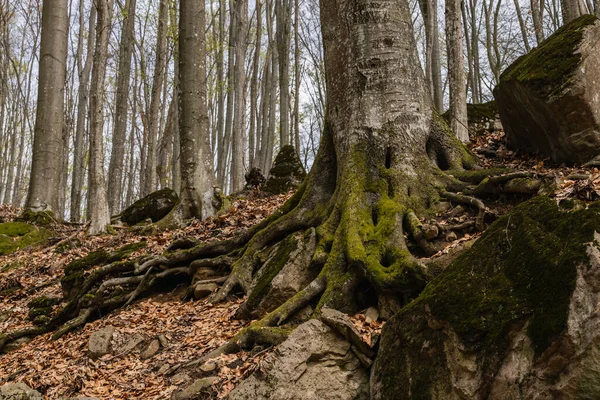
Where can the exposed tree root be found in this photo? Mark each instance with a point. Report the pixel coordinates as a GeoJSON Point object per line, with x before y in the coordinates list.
{"type": "Point", "coordinates": [470, 201]}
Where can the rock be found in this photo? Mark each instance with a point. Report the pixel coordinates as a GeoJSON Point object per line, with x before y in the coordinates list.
{"type": "Point", "coordinates": [18, 235]}
{"type": "Point", "coordinates": [287, 172]}
{"type": "Point", "coordinates": [203, 290]}
{"type": "Point", "coordinates": [314, 363]}
{"type": "Point", "coordinates": [164, 342]}
{"type": "Point", "coordinates": [203, 273]}
{"type": "Point", "coordinates": [515, 317]}
{"type": "Point", "coordinates": [371, 315]}
{"type": "Point", "coordinates": [430, 231]}
{"type": "Point", "coordinates": [151, 349]}
{"type": "Point", "coordinates": [99, 342]}
{"type": "Point", "coordinates": [549, 99]}
{"type": "Point", "coordinates": [341, 323]}
{"type": "Point", "coordinates": [195, 389]}
{"type": "Point", "coordinates": [254, 178]}
{"type": "Point", "coordinates": [154, 206]}
{"type": "Point", "coordinates": [208, 367]}
{"type": "Point", "coordinates": [79, 398]}
{"type": "Point", "coordinates": [451, 236]}
{"type": "Point", "coordinates": [19, 391]}
{"type": "Point", "coordinates": [288, 261]}
{"type": "Point", "coordinates": [131, 343]}
{"type": "Point", "coordinates": [480, 116]}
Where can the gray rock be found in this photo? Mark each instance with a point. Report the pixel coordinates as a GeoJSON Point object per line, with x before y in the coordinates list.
{"type": "Point", "coordinates": [552, 107]}
{"type": "Point", "coordinates": [164, 342]}
{"type": "Point", "coordinates": [19, 391]}
{"type": "Point", "coordinates": [131, 343]}
{"type": "Point", "coordinates": [314, 363]}
{"type": "Point", "coordinates": [342, 324]}
{"type": "Point", "coordinates": [483, 331]}
{"type": "Point", "coordinates": [195, 389]}
{"type": "Point", "coordinates": [203, 290]}
{"type": "Point", "coordinates": [180, 378]}
{"type": "Point", "coordinates": [208, 367]}
{"type": "Point", "coordinates": [371, 315]}
{"type": "Point", "coordinates": [153, 207]}
{"type": "Point", "coordinates": [99, 342]}
{"type": "Point", "coordinates": [151, 349]}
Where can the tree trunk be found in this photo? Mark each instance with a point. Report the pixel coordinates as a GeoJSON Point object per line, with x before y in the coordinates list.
{"type": "Point", "coordinates": [115, 169]}
{"type": "Point", "coordinates": [197, 175]}
{"type": "Point", "coordinates": [522, 25]}
{"type": "Point", "coordinates": [97, 201]}
{"type": "Point", "coordinates": [433, 75]}
{"type": "Point", "coordinates": [378, 159]}
{"type": "Point", "coordinates": [155, 101]}
{"type": "Point", "coordinates": [456, 73]}
{"type": "Point", "coordinates": [238, 149]}
{"type": "Point", "coordinates": [47, 145]}
{"type": "Point", "coordinates": [570, 10]}
{"type": "Point", "coordinates": [297, 68]}
{"type": "Point", "coordinates": [538, 26]}
{"type": "Point", "coordinates": [254, 116]}
{"type": "Point", "coordinates": [283, 35]}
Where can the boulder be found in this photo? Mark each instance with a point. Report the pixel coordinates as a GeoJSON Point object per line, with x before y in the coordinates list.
{"type": "Point", "coordinates": [151, 349]}
{"type": "Point", "coordinates": [549, 99]}
{"type": "Point", "coordinates": [99, 342]}
{"type": "Point", "coordinates": [515, 317]}
{"type": "Point", "coordinates": [155, 206]}
{"type": "Point", "coordinates": [480, 117]}
{"type": "Point", "coordinates": [19, 391]}
{"type": "Point", "coordinates": [314, 363]}
{"type": "Point", "coordinates": [287, 172]}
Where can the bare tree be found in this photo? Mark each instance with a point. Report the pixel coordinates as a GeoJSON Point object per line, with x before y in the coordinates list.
{"type": "Point", "coordinates": [115, 169]}
{"type": "Point", "coordinates": [48, 144]}
{"type": "Point", "coordinates": [97, 199]}
{"type": "Point", "coordinates": [456, 73]}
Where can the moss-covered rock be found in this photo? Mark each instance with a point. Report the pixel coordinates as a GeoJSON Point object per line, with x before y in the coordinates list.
{"type": "Point", "coordinates": [510, 297]}
{"type": "Point", "coordinates": [287, 172]}
{"type": "Point", "coordinates": [548, 98]}
{"type": "Point", "coordinates": [41, 218]}
{"type": "Point", "coordinates": [18, 235]}
{"type": "Point", "coordinates": [155, 206]}
{"type": "Point", "coordinates": [480, 116]}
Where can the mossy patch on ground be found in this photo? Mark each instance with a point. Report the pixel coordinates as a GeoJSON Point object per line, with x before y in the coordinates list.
{"type": "Point", "coordinates": [523, 266]}
{"type": "Point", "coordinates": [18, 235]}
{"type": "Point", "coordinates": [547, 68]}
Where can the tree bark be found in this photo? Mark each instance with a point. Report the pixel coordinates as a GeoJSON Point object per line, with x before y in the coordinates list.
{"type": "Point", "coordinates": [97, 200]}
{"type": "Point", "coordinates": [155, 101]}
{"type": "Point", "coordinates": [238, 149]}
{"type": "Point", "coordinates": [283, 35]}
{"type": "Point", "coordinates": [48, 144]}
{"type": "Point", "coordinates": [197, 175]}
{"type": "Point", "coordinates": [456, 73]}
{"type": "Point", "coordinates": [254, 116]}
{"type": "Point", "coordinates": [115, 169]}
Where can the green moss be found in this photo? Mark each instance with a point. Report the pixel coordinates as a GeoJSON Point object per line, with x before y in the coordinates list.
{"type": "Point", "coordinates": [523, 266]}
{"type": "Point", "coordinates": [549, 67]}
{"type": "Point", "coordinates": [18, 235]}
{"type": "Point", "coordinates": [101, 257]}
{"type": "Point", "coordinates": [477, 176]}
{"type": "Point", "coordinates": [36, 312]}
{"type": "Point", "coordinates": [42, 218]}
{"type": "Point", "coordinates": [43, 302]}
{"type": "Point", "coordinates": [287, 172]}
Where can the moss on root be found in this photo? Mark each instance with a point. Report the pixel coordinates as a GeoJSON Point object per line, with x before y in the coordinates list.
{"type": "Point", "coordinates": [547, 68]}
{"type": "Point", "coordinates": [523, 266]}
{"type": "Point", "coordinates": [18, 235]}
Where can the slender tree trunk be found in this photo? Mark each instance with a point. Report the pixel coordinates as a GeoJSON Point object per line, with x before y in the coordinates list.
{"type": "Point", "coordinates": [297, 67]}
{"type": "Point", "coordinates": [47, 145]}
{"type": "Point", "coordinates": [570, 10]}
{"type": "Point", "coordinates": [155, 101]}
{"type": "Point", "coordinates": [283, 35]}
{"type": "Point", "coordinates": [224, 150]}
{"type": "Point", "coordinates": [115, 169]}
{"type": "Point", "coordinates": [97, 201]}
{"type": "Point", "coordinates": [82, 111]}
{"type": "Point", "coordinates": [456, 73]}
{"type": "Point", "coordinates": [254, 116]}
{"type": "Point", "coordinates": [536, 15]}
{"type": "Point", "coordinates": [239, 130]}
{"type": "Point", "coordinates": [522, 25]}
{"type": "Point", "coordinates": [221, 85]}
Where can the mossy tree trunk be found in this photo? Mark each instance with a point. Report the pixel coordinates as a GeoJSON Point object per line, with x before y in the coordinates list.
{"type": "Point", "coordinates": [379, 158]}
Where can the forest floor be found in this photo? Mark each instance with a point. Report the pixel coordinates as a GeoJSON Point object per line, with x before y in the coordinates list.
{"type": "Point", "coordinates": [186, 329]}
